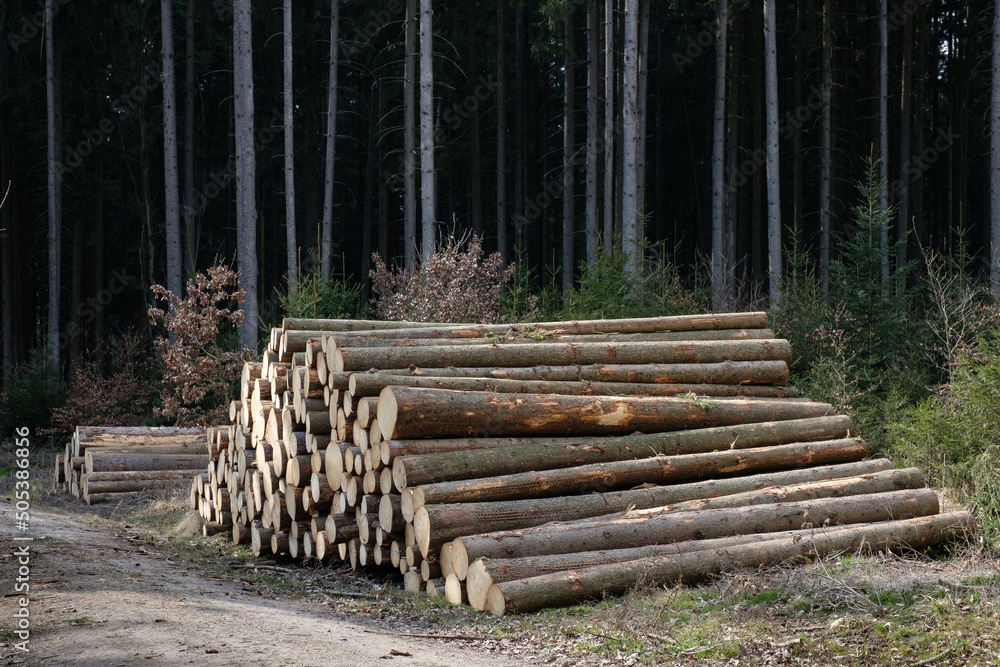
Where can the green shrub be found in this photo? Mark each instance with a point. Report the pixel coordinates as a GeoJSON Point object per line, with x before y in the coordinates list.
{"type": "Point", "coordinates": [29, 399]}
{"type": "Point", "coordinates": [323, 299]}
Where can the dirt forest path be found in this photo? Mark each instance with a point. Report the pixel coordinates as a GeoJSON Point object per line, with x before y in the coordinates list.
{"type": "Point", "coordinates": [99, 600]}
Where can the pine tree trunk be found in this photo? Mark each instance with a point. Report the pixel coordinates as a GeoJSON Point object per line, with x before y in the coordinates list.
{"type": "Point", "coordinates": [666, 528]}
{"type": "Point", "coordinates": [640, 142]}
{"type": "Point", "coordinates": [826, 150]}
{"type": "Point", "coordinates": [609, 124]}
{"type": "Point", "coordinates": [501, 132]}
{"type": "Point", "coordinates": [171, 182]}
{"type": "Point", "coordinates": [883, 140]}
{"type": "Point", "coordinates": [409, 138]}
{"type": "Point", "coordinates": [567, 588]}
{"type": "Point", "coordinates": [630, 101]}
{"type": "Point", "coordinates": [593, 139]}
{"type": "Point", "coordinates": [476, 185]}
{"type": "Point", "coordinates": [291, 245]}
{"type": "Point", "coordinates": [773, 178]}
{"type": "Point", "coordinates": [718, 176]}
{"type": "Point", "coordinates": [326, 249]}
{"type": "Point", "coordinates": [569, 88]}
{"type": "Point", "coordinates": [405, 412]}
{"type": "Point", "coordinates": [246, 170]}
{"type": "Point", "coordinates": [190, 236]}
{"type": "Point", "coordinates": [906, 88]}
{"type": "Point", "coordinates": [55, 195]}
{"type": "Point", "coordinates": [428, 195]}
{"type": "Point", "coordinates": [995, 155]}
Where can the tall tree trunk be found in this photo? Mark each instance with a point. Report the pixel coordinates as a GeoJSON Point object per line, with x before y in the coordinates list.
{"type": "Point", "coordinates": [55, 194]}
{"type": "Point", "coordinates": [520, 120]}
{"type": "Point", "coordinates": [246, 169]}
{"type": "Point", "coordinates": [609, 123]}
{"type": "Point", "coordinates": [171, 183]}
{"type": "Point", "coordinates": [98, 346]}
{"type": "Point", "coordinates": [773, 190]}
{"type": "Point", "coordinates": [593, 141]}
{"type": "Point", "coordinates": [475, 171]}
{"type": "Point", "coordinates": [630, 186]}
{"type": "Point", "coordinates": [797, 141]}
{"type": "Point", "coordinates": [501, 133]}
{"type": "Point", "coordinates": [718, 175]}
{"type": "Point", "coordinates": [428, 196]}
{"type": "Point", "coordinates": [732, 147]}
{"type": "Point", "coordinates": [826, 150]}
{"type": "Point", "coordinates": [383, 185]}
{"type": "Point", "coordinates": [569, 87]}
{"type": "Point", "coordinates": [6, 240]}
{"type": "Point", "coordinates": [326, 250]}
{"type": "Point", "coordinates": [291, 245]}
{"type": "Point", "coordinates": [640, 147]}
{"type": "Point", "coordinates": [921, 28]}
{"type": "Point", "coordinates": [366, 216]}
{"type": "Point", "coordinates": [190, 236]}
{"type": "Point", "coordinates": [76, 297]}
{"type": "Point", "coordinates": [883, 139]}
{"type": "Point", "coordinates": [995, 155]}
{"type": "Point", "coordinates": [903, 215]}
{"type": "Point", "coordinates": [410, 138]}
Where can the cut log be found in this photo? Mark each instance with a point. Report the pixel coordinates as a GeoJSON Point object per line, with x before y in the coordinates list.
{"type": "Point", "coordinates": [405, 412]}
{"type": "Point", "coordinates": [571, 587]}
{"type": "Point", "coordinates": [448, 521]}
{"type": "Point", "coordinates": [299, 471]}
{"type": "Point", "coordinates": [373, 384]}
{"type": "Point", "coordinates": [563, 354]}
{"type": "Point", "coordinates": [341, 528]}
{"type": "Point", "coordinates": [454, 590]}
{"type": "Point", "coordinates": [656, 470]}
{"type": "Point", "coordinates": [724, 372]}
{"type": "Point", "coordinates": [750, 320]}
{"type": "Point", "coordinates": [665, 528]}
{"type": "Point", "coordinates": [128, 475]}
{"type": "Point", "coordinates": [106, 462]}
{"type": "Point", "coordinates": [123, 486]}
{"type": "Point", "coordinates": [430, 461]}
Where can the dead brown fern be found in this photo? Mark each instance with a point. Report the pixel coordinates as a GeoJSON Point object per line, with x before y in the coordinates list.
{"type": "Point", "coordinates": [200, 370]}
{"type": "Point", "coordinates": [454, 285]}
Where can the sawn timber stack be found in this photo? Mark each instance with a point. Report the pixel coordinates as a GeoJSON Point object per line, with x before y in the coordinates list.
{"type": "Point", "coordinates": [516, 467]}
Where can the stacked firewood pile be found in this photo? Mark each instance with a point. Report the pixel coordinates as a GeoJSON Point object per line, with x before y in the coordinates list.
{"type": "Point", "coordinates": [519, 467]}
{"type": "Point", "coordinates": [101, 463]}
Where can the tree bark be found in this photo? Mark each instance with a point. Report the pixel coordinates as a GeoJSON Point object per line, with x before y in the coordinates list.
{"type": "Point", "coordinates": [726, 372]}
{"type": "Point", "coordinates": [562, 354]}
{"type": "Point", "coordinates": [630, 186]}
{"type": "Point", "coordinates": [883, 141]}
{"type": "Point", "coordinates": [609, 124]}
{"type": "Point", "coordinates": [593, 140]}
{"type": "Point", "coordinates": [501, 194]}
{"type": "Point", "coordinates": [171, 182]}
{"type": "Point", "coordinates": [375, 383]}
{"type": "Point", "coordinates": [246, 170]}
{"type": "Point", "coordinates": [655, 470]}
{"type": "Point", "coordinates": [54, 122]}
{"type": "Point", "coordinates": [428, 196]}
{"type": "Point", "coordinates": [476, 185]}
{"type": "Point", "coordinates": [448, 521]}
{"type": "Point", "coordinates": [579, 451]}
{"type": "Point", "coordinates": [826, 150]}
{"type": "Point", "coordinates": [190, 236]}
{"type": "Point", "coordinates": [409, 139]}
{"type": "Point", "coordinates": [491, 457]}
{"type": "Point", "coordinates": [326, 249]}
{"type": "Point", "coordinates": [291, 245]}
{"type": "Point", "coordinates": [773, 178]}
{"type": "Point", "coordinates": [107, 462]}
{"type": "Point", "coordinates": [718, 175]}
{"type": "Point", "coordinates": [566, 588]}
{"type": "Point", "coordinates": [906, 88]}
{"type": "Point", "coordinates": [618, 533]}
{"type": "Point", "coordinates": [569, 90]}
{"type": "Point", "coordinates": [995, 155]}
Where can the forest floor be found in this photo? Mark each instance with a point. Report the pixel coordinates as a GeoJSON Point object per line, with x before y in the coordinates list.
{"type": "Point", "coordinates": [132, 583]}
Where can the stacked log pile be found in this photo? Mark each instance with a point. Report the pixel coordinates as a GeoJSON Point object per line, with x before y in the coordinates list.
{"type": "Point", "coordinates": [519, 467]}
{"type": "Point", "coordinates": [101, 463]}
